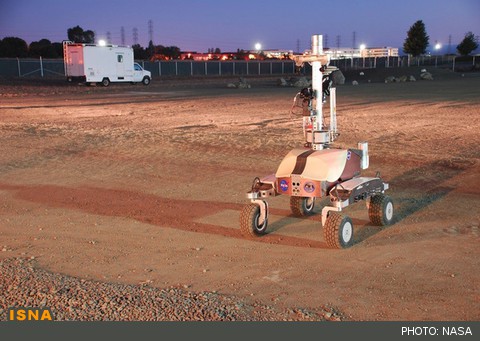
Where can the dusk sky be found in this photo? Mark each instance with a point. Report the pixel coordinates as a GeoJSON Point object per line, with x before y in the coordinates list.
{"type": "Point", "coordinates": [276, 24]}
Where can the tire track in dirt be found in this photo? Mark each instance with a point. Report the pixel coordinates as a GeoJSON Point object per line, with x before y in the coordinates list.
{"type": "Point", "coordinates": [146, 208]}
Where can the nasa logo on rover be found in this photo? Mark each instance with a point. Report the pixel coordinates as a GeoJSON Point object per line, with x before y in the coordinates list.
{"type": "Point", "coordinates": [284, 185]}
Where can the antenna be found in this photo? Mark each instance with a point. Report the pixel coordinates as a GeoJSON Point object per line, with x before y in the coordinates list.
{"type": "Point", "coordinates": [354, 39]}
{"type": "Point", "coordinates": [150, 30]}
{"type": "Point", "coordinates": [135, 36]}
{"type": "Point", "coordinates": [122, 35]}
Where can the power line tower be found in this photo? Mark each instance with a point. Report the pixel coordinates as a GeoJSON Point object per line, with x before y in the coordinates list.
{"type": "Point", "coordinates": [122, 35]}
{"type": "Point", "coordinates": [449, 43]}
{"type": "Point", "coordinates": [354, 39]}
{"type": "Point", "coordinates": [109, 37]}
{"type": "Point", "coordinates": [150, 30]}
{"type": "Point", "coordinates": [298, 45]}
{"type": "Point", "coordinates": [135, 36]}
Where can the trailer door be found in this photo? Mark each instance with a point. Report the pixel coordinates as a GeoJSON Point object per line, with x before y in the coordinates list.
{"type": "Point", "coordinates": [74, 63]}
{"type": "Point", "coordinates": [120, 66]}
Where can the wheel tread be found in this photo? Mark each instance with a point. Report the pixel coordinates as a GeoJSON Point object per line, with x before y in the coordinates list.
{"type": "Point", "coordinates": [297, 207]}
{"type": "Point", "coordinates": [247, 220]}
{"type": "Point", "coordinates": [376, 209]}
{"type": "Point", "coordinates": [330, 230]}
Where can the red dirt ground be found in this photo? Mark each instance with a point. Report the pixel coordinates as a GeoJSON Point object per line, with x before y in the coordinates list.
{"type": "Point", "coordinates": [136, 184]}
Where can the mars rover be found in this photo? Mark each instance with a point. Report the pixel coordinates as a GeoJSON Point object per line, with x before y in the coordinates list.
{"type": "Point", "coordinates": [319, 170]}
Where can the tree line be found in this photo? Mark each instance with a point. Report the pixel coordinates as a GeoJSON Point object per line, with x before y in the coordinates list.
{"type": "Point", "coordinates": [14, 47]}
{"type": "Point", "coordinates": [415, 44]}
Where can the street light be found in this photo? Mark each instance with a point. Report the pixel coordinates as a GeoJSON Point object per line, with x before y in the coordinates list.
{"type": "Point", "coordinates": [362, 49]}
{"type": "Point", "coordinates": [102, 42]}
{"type": "Point", "coordinates": [437, 47]}
{"type": "Point", "coordinates": [258, 46]}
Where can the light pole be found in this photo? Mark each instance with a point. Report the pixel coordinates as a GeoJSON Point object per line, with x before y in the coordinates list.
{"type": "Point", "coordinates": [437, 47]}
{"type": "Point", "coordinates": [362, 53]}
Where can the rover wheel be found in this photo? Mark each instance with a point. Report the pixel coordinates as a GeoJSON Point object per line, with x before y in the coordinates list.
{"type": "Point", "coordinates": [249, 225]}
{"type": "Point", "coordinates": [380, 211]}
{"type": "Point", "coordinates": [105, 82]}
{"type": "Point", "coordinates": [338, 231]}
{"type": "Point", "coordinates": [302, 206]}
{"type": "Point", "coordinates": [146, 81]}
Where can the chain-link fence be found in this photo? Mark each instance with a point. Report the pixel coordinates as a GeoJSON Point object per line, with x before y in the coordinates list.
{"type": "Point", "coordinates": [218, 68]}
{"type": "Point", "coordinates": [55, 67]}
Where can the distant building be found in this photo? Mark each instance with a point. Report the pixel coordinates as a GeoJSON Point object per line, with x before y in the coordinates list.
{"type": "Point", "coordinates": [239, 55]}
{"type": "Point", "coordinates": [192, 55]}
{"type": "Point", "coordinates": [379, 52]}
{"type": "Point", "coordinates": [277, 54]}
{"type": "Point", "coordinates": [349, 52]}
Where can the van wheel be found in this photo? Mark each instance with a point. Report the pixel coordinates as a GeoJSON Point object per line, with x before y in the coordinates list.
{"type": "Point", "coordinates": [105, 82]}
{"type": "Point", "coordinates": [146, 81]}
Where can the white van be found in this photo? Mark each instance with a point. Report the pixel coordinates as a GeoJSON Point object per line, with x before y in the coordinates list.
{"type": "Point", "coordinates": [102, 64]}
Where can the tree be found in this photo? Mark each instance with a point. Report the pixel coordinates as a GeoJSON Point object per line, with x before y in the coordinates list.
{"type": "Point", "coordinates": [241, 55]}
{"type": "Point", "coordinates": [417, 39]}
{"type": "Point", "coordinates": [13, 47]}
{"type": "Point", "coordinates": [150, 49]}
{"type": "Point", "coordinates": [43, 48]}
{"type": "Point", "coordinates": [468, 44]}
{"type": "Point", "coordinates": [78, 35]}
{"type": "Point", "coordinates": [139, 52]}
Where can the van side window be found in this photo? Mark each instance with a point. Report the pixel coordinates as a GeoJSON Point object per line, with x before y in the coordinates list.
{"type": "Point", "coordinates": [120, 58]}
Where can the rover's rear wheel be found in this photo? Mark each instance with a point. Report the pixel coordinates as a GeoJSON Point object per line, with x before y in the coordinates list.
{"type": "Point", "coordinates": [249, 221]}
{"type": "Point", "coordinates": [338, 231]}
{"type": "Point", "coordinates": [380, 210]}
{"type": "Point", "coordinates": [302, 206]}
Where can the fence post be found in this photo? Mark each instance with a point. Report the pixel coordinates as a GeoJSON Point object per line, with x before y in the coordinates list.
{"type": "Point", "coordinates": [18, 63]}
{"type": "Point", "coordinates": [247, 63]}
{"type": "Point", "coordinates": [191, 68]}
{"type": "Point", "coordinates": [41, 66]}
{"type": "Point", "coordinates": [206, 72]}
{"type": "Point", "coordinates": [233, 68]}
{"type": "Point", "coordinates": [283, 68]}
{"type": "Point", "coordinates": [176, 68]}
{"type": "Point", "coordinates": [219, 68]}
{"type": "Point", "coordinates": [259, 67]}
{"type": "Point", "coordinates": [159, 67]}
{"type": "Point", "coordinates": [453, 65]}
{"type": "Point", "coordinates": [272, 70]}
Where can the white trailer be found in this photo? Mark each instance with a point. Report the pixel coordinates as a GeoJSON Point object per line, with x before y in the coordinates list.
{"type": "Point", "coordinates": [102, 64]}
